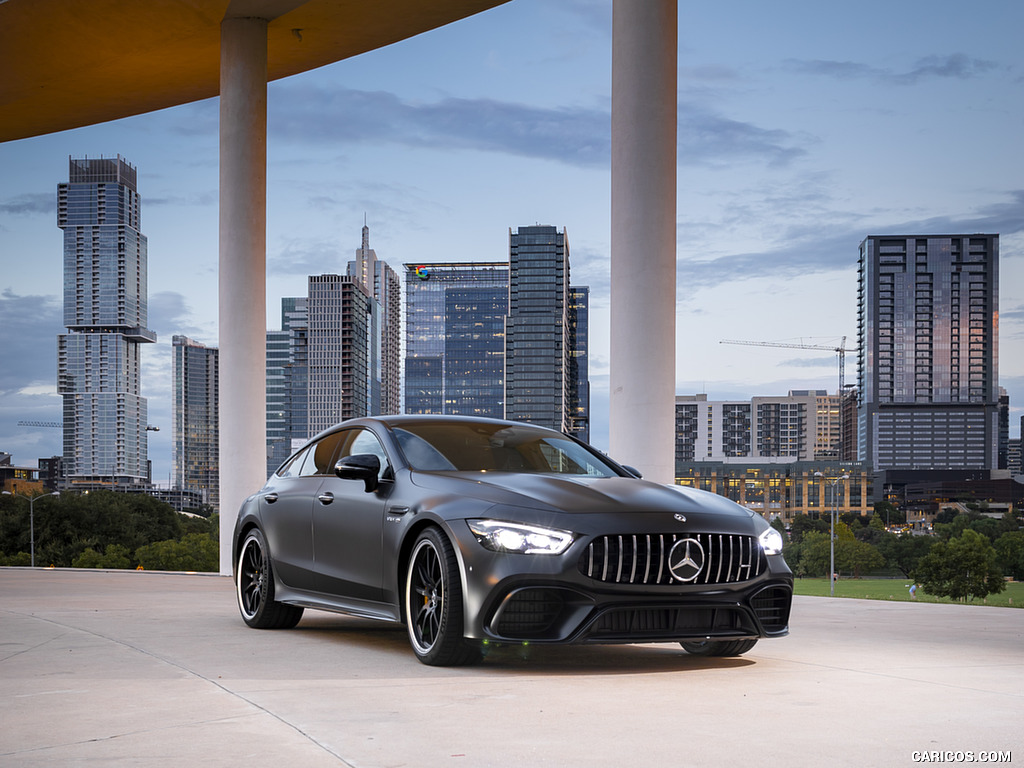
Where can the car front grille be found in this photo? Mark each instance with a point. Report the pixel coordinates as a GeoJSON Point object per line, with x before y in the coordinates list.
{"type": "Point", "coordinates": [714, 558]}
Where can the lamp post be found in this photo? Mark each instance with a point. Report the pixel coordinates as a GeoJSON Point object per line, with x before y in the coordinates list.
{"type": "Point", "coordinates": [832, 530]}
{"type": "Point", "coordinates": [31, 518]}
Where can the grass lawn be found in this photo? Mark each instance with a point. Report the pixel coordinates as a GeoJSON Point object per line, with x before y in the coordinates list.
{"type": "Point", "coordinates": [899, 589]}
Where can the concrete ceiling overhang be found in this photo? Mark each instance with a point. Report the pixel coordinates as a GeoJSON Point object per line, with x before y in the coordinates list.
{"type": "Point", "coordinates": [70, 63]}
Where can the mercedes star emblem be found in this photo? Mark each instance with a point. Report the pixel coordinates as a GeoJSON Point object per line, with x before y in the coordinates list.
{"type": "Point", "coordinates": [686, 559]}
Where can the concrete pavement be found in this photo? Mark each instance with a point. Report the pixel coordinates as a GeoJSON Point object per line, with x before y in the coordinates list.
{"type": "Point", "coordinates": [156, 669]}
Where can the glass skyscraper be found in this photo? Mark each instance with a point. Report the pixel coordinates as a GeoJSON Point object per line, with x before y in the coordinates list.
{"type": "Point", "coordinates": [546, 325]}
{"type": "Point", "coordinates": [471, 319]}
{"type": "Point", "coordinates": [500, 339]}
{"type": "Point", "coordinates": [288, 382]}
{"type": "Point", "coordinates": [381, 282]}
{"type": "Point", "coordinates": [106, 313]}
{"type": "Point", "coordinates": [927, 364]}
{"type": "Point", "coordinates": [196, 431]}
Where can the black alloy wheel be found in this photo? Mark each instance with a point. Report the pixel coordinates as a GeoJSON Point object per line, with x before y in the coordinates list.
{"type": "Point", "coordinates": [255, 587]}
{"type": "Point", "coordinates": [434, 608]}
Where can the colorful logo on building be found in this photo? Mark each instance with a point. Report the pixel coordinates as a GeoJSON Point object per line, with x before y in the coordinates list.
{"type": "Point", "coordinates": [422, 273]}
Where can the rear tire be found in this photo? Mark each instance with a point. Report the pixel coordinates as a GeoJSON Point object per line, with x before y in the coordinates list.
{"type": "Point", "coordinates": [718, 647]}
{"type": "Point", "coordinates": [434, 608]}
{"type": "Point", "coordinates": [255, 587]}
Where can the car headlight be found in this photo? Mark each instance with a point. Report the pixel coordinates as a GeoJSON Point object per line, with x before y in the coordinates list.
{"type": "Point", "coordinates": [501, 536]}
{"type": "Point", "coordinates": [771, 541]}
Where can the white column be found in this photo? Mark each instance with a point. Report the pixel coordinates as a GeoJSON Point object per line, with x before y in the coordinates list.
{"type": "Point", "coordinates": [243, 241]}
{"type": "Point", "coordinates": [643, 236]}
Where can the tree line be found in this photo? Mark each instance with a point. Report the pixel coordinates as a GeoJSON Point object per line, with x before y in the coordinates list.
{"type": "Point", "coordinates": [969, 556]}
{"type": "Point", "coordinates": [103, 529]}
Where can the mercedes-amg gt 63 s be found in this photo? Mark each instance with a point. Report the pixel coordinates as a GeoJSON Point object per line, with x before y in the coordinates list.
{"type": "Point", "coordinates": [475, 531]}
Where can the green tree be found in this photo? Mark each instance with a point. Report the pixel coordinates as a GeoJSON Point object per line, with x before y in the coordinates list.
{"type": "Point", "coordinates": [874, 533]}
{"type": "Point", "coordinates": [1010, 553]}
{"type": "Point", "coordinates": [115, 556]}
{"type": "Point", "coordinates": [987, 527]}
{"type": "Point", "coordinates": [1010, 522]}
{"type": "Point", "coordinates": [194, 552]}
{"type": "Point", "coordinates": [803, 524]}
{"type": "Point", "coordinates": [814, 554]}
{"type": "Point", "coordinates": [946, 515]}
{"type": "Point", "coordinates": [957, 525]}
{"type": "Point", "coordinates": [962, 568]}
{"type": "Point", "coordinates": [904, 551]}
{"type": "Point", "coordinates": [67, 526]}
{"type": "Point", "coordinates": [889, 513]}
{"type": "Point", "coordinates": [857, 557]}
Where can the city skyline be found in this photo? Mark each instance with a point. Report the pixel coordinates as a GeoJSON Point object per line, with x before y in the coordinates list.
{"type": "Point", "coordinates": [106, 315]}
{"type": "Point", "coordinates": [794, 146]}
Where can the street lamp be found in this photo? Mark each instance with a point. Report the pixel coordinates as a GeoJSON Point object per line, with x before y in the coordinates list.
{"type": "Point", "coordinates": [31, 518]}
{"type": "Point", "coordinates": [832, 530]}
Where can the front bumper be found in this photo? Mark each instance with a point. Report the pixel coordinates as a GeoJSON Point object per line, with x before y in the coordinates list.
{"type": "Point", "coordinates": [516, 598]}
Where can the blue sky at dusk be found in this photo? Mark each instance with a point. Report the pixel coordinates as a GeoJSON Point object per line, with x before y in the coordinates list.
{"type": "Point", "coordinates": [803, 128]}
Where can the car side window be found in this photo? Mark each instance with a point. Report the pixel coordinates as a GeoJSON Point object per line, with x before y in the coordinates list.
{"type": "Point", "coordinates": [321, 458]}
{"type": "Point", "coordinates": [292, 467]}
{"type": "Point", "coordinates": [365, 441]}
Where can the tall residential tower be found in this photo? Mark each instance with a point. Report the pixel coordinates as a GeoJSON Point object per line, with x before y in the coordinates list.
{"type": "Point", "coordinates": [106, 313]}
{"type": "Point", "coordinates": [194, 411]}
{"type": "Point", "coordinates": [927, 364]}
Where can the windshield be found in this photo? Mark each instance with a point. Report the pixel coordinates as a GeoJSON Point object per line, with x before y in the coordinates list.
{"type": "Point", "coordinates": [472, 447]}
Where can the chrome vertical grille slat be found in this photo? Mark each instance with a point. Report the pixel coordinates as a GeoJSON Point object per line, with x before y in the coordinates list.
{"type": "Point", "coordinates": [643, 559]}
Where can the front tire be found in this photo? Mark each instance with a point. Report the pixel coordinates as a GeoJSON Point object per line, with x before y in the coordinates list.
{"type": "Point", "coordinates": [718, 647]}
{"type": "Point", "coordinates": [255, 587]}
{"type": "Point", "coordinates": [434, 608]}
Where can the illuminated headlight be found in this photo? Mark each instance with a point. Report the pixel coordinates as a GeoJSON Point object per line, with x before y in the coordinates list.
{"type": "Point", "coordinates": [771, 541]}
{"type": "Point", "coordinates": [500, 536]}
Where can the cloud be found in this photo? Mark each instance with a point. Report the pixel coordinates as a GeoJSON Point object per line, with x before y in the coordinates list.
{"type": "Point", "coordinates": [709, 139]}
{"type": "Point", "coordinates": [1012, 313]}
{"type": "Point", "coordinates": [576, 136]}
{"type": "Point", "coordinates": [170, 314]}
{"type": "Point", "coordinates": [956, 66]}
{"type": "Point", "coordinates": [830, 247]}
{"type": "Point", "coordinates": [31, 325]}
{"type": "Point", "coordinates": [808, 362]}
{"type": "Point", "coordinates": [42, 203]}
{"type": "Point", "coordinates": [306, 257]}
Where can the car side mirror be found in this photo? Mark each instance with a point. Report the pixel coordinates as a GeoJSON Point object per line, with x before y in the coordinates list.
{"type": "Point", "coordinates": [360, 466]}
{"type": "Point", "coordinates": [632, 470]}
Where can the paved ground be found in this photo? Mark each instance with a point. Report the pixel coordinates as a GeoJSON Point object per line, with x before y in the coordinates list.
{"type": "Point", "coordinates": [152, 669]}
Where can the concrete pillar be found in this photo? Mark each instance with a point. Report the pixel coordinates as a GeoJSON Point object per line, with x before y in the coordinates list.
{"type": "Point", "coordinates": [643, 236]}
{"type": "Point", "coordinates": [243, 273]}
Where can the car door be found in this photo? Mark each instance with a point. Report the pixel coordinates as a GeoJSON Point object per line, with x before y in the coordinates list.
{"type": "Point", "coordinates": [287, 511]}
{"type": "Point", "coordinates": [348, 527]}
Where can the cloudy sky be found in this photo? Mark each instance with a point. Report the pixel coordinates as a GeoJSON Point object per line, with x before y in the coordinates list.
{"type": "Point", "coordinates": [803, 128]}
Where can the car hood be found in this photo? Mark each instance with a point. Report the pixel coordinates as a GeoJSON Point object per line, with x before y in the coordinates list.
{"type": "Point", "coordinates": [580, 493]}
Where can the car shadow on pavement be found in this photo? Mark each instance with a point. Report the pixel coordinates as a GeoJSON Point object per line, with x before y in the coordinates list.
{"type": "Point", "coordinates": [391, 640]}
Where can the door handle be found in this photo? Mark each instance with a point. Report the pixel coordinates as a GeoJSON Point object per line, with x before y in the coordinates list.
{"type": "Point", "coordinates": [270, 498]}
{"type": "Point", "coordinates": [326, 498]}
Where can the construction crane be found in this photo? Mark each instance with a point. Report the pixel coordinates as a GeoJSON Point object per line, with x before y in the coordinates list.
{"type": "Point", "coordinates": [840, 350]}
{"type": "Point", "coordinates": [59, 425]}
